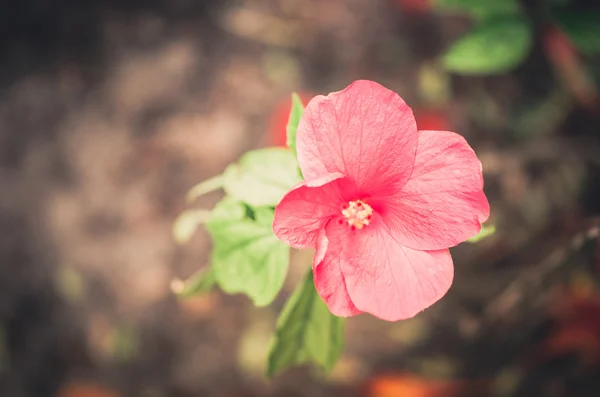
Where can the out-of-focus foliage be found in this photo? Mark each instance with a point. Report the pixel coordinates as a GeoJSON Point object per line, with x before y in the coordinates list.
{"type": "Point", "coordinates": [306, 331]}
{"type": "Point", "coordinates": [434, 85]}
{"type": "Point", "coordinates": [280, 118]}
{"type": "Point", "coordinates": [262, 177]}
{"type": "Point", "coordinates": [493, 46]}
{"type": "Point", "coordinates": [294, 120]}
{"type": "Point", "coordinates": [186, 224]}
{"type": "Point", "coordinates": [248, 258]}
{"type": "Point", "coordinates": [202, 281]}
{"type": "Point", "coordinates": [204, 187]}
{"type": "Point", "coordinates": [124, 343]}
{"type": "Point", "coordinates": [501, 37]}
{"type": "Point", "coordinates": [246, 255]}
{"type": "Point", "coordinates": [583, 28]}
{"type": "Point", "coordinates": [479, 8]}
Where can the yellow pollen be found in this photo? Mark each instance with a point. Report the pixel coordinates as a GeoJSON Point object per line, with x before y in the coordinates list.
{"type": "Point", "coordinates": [358, 214]}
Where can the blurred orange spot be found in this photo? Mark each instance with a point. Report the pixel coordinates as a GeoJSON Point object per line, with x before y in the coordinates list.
{"type": "Point", "coordinates": [432, 119]}
{"type": "Point", "coordinates": [411, 386]}
{"type": "Point", "coordinates": [577, 328]}
{"type": "Point", "coordinates": [279, 119]}
{"type": "Point", "coordinates": [83, 389]}
{"type": "Point", "coordinates": [201, 306]}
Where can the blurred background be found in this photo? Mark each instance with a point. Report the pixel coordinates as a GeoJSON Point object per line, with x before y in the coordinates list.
{"type": "Point", "coordinates": [110, 110]}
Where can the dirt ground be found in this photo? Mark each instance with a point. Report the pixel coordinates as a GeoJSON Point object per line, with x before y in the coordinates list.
{"type": "Point", "coordinates": [111, 110]}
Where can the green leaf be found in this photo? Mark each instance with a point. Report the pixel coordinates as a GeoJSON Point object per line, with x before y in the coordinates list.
{"type": "Point", "coordinates": [262, 177]}
{"type": "Point", "coordinates": [200, 282]}
{"type": "Point", "coordinates": [246, 256]}
{"type": "Point", "coordinates": [186, 224]}
{"type": "Point", "coordinates": [485, 232]}
{"type": "Point", "coordinates": [495, 46]}
{"type": "Point", "coordinates": [292, 125]}
{"type": "Point", "coordinates": [582, 28]}
{"type": "Point", "coordinates": [480, 8]}
{"type": "Point", "coordinates": [306, 332]}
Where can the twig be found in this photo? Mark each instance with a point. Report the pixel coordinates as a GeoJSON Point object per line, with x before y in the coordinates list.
{"type": "Point", "coordinates": [519, 295]}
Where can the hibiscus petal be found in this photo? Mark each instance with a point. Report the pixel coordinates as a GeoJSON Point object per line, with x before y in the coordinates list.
{"type": "Point", "coordinates": [378, 275]}
{"type": "Point", "coordinates": [307, 207]}
{"type": "Point", "coordinates": [443, 203]}
{"type": "Point", "coordinates": [365, 132]}
{"type": "Point", "coordinates": [329, 280]}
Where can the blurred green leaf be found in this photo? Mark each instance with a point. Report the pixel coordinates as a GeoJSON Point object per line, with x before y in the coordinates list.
{"type": "Point", "coordinates": [494, 46]}
{"type": "Point", "coordinates": [186, 224]}
{"type": "Point", "coordinates": [70, 284]}
{"type": "Point", "coordinates": [292, 125]}
{"type": "Point", "coordinates": [124, 343]}
{"type": "Point", "coordinates": [485, 232]}
{"type": "Point", "coordinates": [204, 187]}
{"type": "Point", "coordinates": [246, 256]}
{"type": "Point", "coordinates": [434, 85]}
{"type": "Point", "coordinates": [537, 118]}
{"type": "Point", "coordinates": [306, 332]}
{"type": "Point", "coordinates": [262, 177]}
{"type": "Point", "coordinates": [582, 28]}
{"type": "Point", "coordinates": [281, 67]}
{"type": "Point", "coordinates": [200, 282]}
{"type": "Point", "coordinates": [479, 8]}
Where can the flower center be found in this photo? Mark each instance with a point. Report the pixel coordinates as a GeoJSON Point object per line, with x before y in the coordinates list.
{"type": "Point", "coordinates": [357, 213]}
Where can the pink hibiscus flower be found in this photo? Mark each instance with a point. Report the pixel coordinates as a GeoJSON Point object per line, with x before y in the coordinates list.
{"type": "Point", "coordinates": [381, 203]}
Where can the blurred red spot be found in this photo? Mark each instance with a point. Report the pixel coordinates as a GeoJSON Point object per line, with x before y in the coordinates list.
{"type": "Point", "coordinates": [557, 45]}
{"type": "Point", "coordinates": [577, 328]}
{"type": "Point", "coordinates": [279, 119]}
{"type": "Point", "coordinates": [432, 119]}
{"type": "Point", "coordinates": [567, 63]}
{"type": "Point", "coordinates": [414, 6]}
